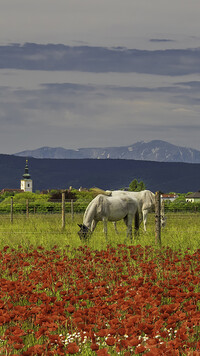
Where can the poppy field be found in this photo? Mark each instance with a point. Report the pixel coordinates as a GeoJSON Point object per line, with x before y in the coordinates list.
{"type": "Point", "coordinates": [60, 296]}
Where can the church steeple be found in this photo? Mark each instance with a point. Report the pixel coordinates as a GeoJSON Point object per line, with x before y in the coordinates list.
{"type": "Point", "coordinates": [26, 181]}
{"type": "Point", "coordinates": [26, 175]}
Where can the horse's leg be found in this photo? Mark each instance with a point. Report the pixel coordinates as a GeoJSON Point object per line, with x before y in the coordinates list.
{"type": "Point", "coordinates": [105, 227]}
{"type": "Point", "coordinates": [115, 226]}
{"type": "Point", "coordinates": [128, 221]}
{"type": "Point", "coordinates": [137, 224]}
{"type": "Point", "coordinates": [129, 226]}
{"type": "Point", "coordinates": [145, 213]}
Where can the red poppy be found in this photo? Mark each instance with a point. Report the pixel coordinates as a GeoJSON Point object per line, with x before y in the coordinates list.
{"type": "Point", "coordinates": [38, 350]}
{"type": "Point", "coordinates": [18, 346]}
{"type": "Point", "coordinates": [139, 349]}
{"type": "Point", "coordinates": [94, 346]}
{"type": "Point", "coordinates": [40, 332]}
{"type": "Point", "coordinates": [110, 341]}
{"type": "Point", "coordinates": [102, 352]}
{"type": "Point", "coordinates": [70, 309]}
{"type": "Point", "coordinates": [102, 333]}
{"type": "Point", "coordinates": [154, 352]}
{"type": "Point", "coordinates": [133, 341]}
{"type": "Point", "coordinates": [72, 348]}
{"type": "Point", "coordinates": [121, 331]}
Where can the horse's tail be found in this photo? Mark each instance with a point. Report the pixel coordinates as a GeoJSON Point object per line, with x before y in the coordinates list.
{"type": "Point", "coordinates": [137, 220]}
{"type": "Point", "coordinates": [96, 191]}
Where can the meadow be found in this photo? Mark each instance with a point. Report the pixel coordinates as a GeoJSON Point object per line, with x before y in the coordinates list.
{"type": "Point", "coordinates": [61, 296]}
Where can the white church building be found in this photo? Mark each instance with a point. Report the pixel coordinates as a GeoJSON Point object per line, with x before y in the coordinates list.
{"type": "Point", "coordinates": [26, 181]}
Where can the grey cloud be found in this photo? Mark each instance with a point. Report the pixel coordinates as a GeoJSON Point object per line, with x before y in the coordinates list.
{"type": "Point", "coordinates": [186, 127]}
{"type": "Point", "coordinates": [83, 105]}
{"type": "Point", "coordinates": [190, 84]}
{"type": "Point", "coordinates": [185, 100]}
{"type": "Point", "coordinates": [67, 94]}
{"type": "Point", "coordinates": [52, 57]}
{"type": "Point", "coordinates": [161, 40]}
{"type": "Point", "coordinates": [58, 96]}
{"type": "Point", "coordinates": [69, 88]}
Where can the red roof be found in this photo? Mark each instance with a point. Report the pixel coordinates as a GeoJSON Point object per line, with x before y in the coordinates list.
{"type": "Point", "coordinates": [11, 190]}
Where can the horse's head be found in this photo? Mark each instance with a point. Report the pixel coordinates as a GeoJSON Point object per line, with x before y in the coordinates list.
{"type": "Point", "coordinates": [83, 232]}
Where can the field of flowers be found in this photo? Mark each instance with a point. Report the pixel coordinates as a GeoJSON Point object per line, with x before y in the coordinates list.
{"type": "Point", "coordinates": [122, 299]}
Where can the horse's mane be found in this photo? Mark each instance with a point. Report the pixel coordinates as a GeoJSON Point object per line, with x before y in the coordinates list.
{"type": "Point", "coordinates": [94, 206]}
{"type": "Point", "coordinates": [88, 207]}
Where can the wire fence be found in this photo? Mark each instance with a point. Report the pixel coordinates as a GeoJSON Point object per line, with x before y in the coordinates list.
{"type": "Point", "coordinates": [69, 206]}
{"type": "Point", "coordinates": [54, 206]}
{"type": "Point", "coordinates": [65, 212]}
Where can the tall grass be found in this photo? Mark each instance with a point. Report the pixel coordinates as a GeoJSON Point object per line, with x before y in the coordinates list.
{"type": "Point", "coordinates": [182, 231]}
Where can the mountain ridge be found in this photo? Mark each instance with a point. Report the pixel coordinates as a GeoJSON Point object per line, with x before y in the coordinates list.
{"type": "Point", "coordinates": [155, 150]}
{"type": "Point", "coordinates": [103, 173]}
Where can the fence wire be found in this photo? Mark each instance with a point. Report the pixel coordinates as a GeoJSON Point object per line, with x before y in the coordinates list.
{"type": "Point", "coordinates": [26, 212]}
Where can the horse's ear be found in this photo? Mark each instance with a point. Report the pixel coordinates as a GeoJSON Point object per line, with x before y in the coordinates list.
{"type": "Point", "coordinates": [80, 225]}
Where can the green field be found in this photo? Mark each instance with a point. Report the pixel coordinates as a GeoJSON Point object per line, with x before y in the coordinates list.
{"type": "Point", "coordinates": [182, 231]}
{"type": "Point", "coordinates": [61, 296]}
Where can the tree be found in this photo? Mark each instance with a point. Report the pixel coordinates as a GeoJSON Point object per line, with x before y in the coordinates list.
{"type": "Point", "coordinates": [136, 186]}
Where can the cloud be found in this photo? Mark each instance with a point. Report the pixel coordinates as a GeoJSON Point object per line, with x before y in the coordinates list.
{"type": "Point", "coordinates": [81, 109]}
{"type": "Point", "coordinates": [184, 111]}
{"type": "Point", "coordinates": [161, 40]}
{"type": "Point", "coordinates": [31, 56]}
{"type": "Point", "coordinates": [92, 105]}
{"type": "Point", "coordinates": [190, 85]}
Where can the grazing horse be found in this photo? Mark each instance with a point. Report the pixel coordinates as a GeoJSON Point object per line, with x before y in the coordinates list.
{"type": "Point", "coordinates": [110, 208]}
{"type": "Point", "coordinates": [146, 201]}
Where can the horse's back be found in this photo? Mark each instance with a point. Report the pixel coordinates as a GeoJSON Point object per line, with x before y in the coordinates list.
{"type": "Point", "coordinates": [113, 208]}
{"type": "Point", "coordinates": [121, 206]}
{"type": "Point", "coordinates": [145, 198]}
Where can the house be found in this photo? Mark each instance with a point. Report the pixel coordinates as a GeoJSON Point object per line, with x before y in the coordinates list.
{"type": "Point", "coordinates": [193, 197]}
{"type": "Point", "coordinates": [168, 197]}
{"type": "Point", "coordinates": [5, 190]}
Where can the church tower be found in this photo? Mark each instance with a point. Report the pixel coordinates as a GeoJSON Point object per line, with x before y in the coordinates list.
{"type": "Point", "coordinates": [26, 181]}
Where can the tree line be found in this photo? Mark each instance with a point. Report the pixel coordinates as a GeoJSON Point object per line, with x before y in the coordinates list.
{"type": "Point", "coordinates": [51, 201]}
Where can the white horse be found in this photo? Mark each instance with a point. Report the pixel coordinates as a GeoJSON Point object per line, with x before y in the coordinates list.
{"type": "Point", "coordinates": [145, 198]}
{"type": "Point", "coordinates": [110, 208]}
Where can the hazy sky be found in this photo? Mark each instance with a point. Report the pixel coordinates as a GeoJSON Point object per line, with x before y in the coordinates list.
{"type": "Point", "coordinates": [88, 73]}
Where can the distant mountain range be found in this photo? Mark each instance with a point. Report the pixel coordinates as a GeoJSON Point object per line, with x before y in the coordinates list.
{"type": "Point", "coordinates": [156, 150]}
{"type": "Point", "coordinates": [103, 173]}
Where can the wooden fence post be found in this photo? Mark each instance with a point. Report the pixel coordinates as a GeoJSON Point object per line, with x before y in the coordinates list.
{"type": "Point", "coordinates": [72, 209]}
{"type": "Point", "coordinates": [11, 210]}
{"type": "Point", "coordinates": [27, 208]}
{"type": "Point", "coordinates": [63, 210]}
{"type": "Point", "coordinates": [162, 209]}
{"type": "Point", "coordinates": [157, 218]}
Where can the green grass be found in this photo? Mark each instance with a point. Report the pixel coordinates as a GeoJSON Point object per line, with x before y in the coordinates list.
{"type": "Point", "coordinates": [182, 231]}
